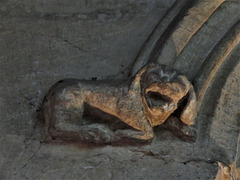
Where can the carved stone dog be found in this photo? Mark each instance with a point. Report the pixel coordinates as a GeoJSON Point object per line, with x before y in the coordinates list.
{"type": "Point", "coordinates": [155, 93]}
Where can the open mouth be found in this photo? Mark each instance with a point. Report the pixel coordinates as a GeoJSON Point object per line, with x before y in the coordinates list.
{"type": "Point", "coordinates": [155, 99]}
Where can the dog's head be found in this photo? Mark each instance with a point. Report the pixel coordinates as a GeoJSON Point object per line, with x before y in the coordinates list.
{"type": "Point", "coordinates": [165, 91]}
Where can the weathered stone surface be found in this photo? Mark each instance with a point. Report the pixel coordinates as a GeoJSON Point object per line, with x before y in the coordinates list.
{"type": "Point", "coordinates": [42, 42]}
{"type": "Point", "coordinates": [225, 123]}
{"type": "Point", "coordinates": [200, 45]}
{"type": "Point", "coordinates": [196, 16]}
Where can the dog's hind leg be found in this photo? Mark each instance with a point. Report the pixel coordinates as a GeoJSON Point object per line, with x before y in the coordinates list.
{"type": "Point", "coordinates": [63, 112]}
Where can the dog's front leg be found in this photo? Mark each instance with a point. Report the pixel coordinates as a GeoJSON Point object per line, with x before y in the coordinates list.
{"type": "Point", "coordinates": [181, 130]}
{"type": "Point", "coordinates": [131, 111]}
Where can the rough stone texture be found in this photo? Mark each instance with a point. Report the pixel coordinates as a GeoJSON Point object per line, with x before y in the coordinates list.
{"type": "Point", "coordinates": [219, 126]}
{"type": "Point", "coordinates": [200, 45]}
{"type": "Point", "coordinates": [44, 41]}
{"type": "Point", "coordinates": [225, 123]}
{"type": "Point", "coordinates": [194, 19]}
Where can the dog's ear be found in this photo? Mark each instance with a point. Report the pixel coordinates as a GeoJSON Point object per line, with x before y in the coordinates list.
{"type": "Point", "coordinates": [136, 84]}
{"type": "Point", "coordinates": [188, 113]}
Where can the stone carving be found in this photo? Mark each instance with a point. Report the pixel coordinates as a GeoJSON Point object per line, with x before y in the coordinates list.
{"type": "Point", "coordinates": [156, 93]}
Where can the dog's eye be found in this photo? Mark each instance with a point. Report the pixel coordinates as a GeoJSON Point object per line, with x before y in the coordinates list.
{"type": "Point", "coordinates": [157, 100]}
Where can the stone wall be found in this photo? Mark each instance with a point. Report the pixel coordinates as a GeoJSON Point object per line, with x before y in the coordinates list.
{"type": "Point", "coordinates": [42, 42]}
